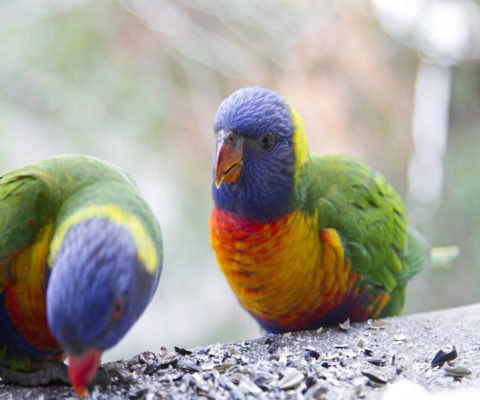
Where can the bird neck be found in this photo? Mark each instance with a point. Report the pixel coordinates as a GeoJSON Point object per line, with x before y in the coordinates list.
{"type": "Point", "coordinates": [147, 252]}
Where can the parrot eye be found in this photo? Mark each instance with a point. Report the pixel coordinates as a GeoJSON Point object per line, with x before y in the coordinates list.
{"type": "Point", "coordinates": [231, 137]}
{"type": "Point", "coordinates": [118, 308]}
{"type": "Point", "coordinates": [268, 141]}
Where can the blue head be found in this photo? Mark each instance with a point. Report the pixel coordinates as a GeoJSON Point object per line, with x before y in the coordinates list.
{"type": "Point", "coordinates": [255, 154]}
{"type": "Point", "coordinates": [97, 289]}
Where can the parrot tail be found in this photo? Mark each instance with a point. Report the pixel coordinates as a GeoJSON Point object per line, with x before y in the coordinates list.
{"type": "Point", "coordinates": [442, 257]}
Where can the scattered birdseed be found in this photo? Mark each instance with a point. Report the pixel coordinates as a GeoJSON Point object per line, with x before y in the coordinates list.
{"type": "Point", "coordinates": [301, 365]}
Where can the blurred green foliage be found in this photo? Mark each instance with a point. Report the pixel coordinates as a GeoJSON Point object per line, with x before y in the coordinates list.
{"type": "Point", "coordinates": [137, 82]}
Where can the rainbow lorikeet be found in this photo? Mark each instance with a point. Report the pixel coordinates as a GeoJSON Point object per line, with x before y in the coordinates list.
{"type": "Point", "coordinates": [304, 240]}
{"type": "Point", "coordinates": [80, 258]}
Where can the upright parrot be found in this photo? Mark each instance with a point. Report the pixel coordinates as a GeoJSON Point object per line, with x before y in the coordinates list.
{"type": "Point", "coordinates": [304, 240]}
{"type": "Point", "coordinates": [80, 259]}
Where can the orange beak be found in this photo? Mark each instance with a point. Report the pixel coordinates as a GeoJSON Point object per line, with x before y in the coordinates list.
{"type": "Point", "coordinates": [229, 160]}
{"type": "Point", "coordinates": [82, 369]}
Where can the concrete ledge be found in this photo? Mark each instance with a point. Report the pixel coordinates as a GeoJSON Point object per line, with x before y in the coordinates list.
{"type": "Point", "coordinates": [388, 359]}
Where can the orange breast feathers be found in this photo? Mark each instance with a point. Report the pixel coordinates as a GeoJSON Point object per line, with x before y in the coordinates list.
{"type": "Point", "coordinates": [287, 274]}
{"type": "Point", "coordinates": [25, 293]}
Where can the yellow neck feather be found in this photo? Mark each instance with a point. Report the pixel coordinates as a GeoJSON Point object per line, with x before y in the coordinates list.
{"type": "Point", "coordinates": [146, 249]}
{"type": "Point", "coordinates": [300, 143]}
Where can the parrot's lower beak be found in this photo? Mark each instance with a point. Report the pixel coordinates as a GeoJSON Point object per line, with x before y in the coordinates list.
{"type": "Point", "coordinates": [82, 369]}
{"type": "Point", "coordinates": [229, 161]}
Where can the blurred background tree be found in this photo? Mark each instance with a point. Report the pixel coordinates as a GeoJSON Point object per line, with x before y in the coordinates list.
{"type": "Point", "coordinates": [137, 82]}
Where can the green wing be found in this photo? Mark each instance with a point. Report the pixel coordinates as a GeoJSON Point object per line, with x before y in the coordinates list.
{"type": "Point", "coordinates": [32, 196]}
{"type": "Point", "coordinates": [52, 189]}
{"type": "Point", "coordinates": [34, 201]}
{"type": "Point", "coordinates": [370, 219]}
{"type": "Point", "coordinates": [24, 210]}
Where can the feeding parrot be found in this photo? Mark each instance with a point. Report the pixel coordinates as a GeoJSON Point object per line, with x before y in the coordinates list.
{"type": "Point", "coordinates": [80, 259]}
{"type": "Point", "coordinates": [304, 240]}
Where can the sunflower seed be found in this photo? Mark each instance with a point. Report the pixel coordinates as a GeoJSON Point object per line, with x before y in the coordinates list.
{"type": "Point", "coordinates": [311, 354]}
{"type": "Point", "coordinates": [182, 351]}
{"type": "Point", "coordinates": [377, 323]}
{"type": "Point", "coordinates": [380, 362]}
{"type": "Point", "coordinates": [208, 366]}
{"type": "Point", "coordinates": [374, 378]}
{"type": "Point", "coordinates": [458, 372]}
{"type": "Point", "coordinates": [291, 380]}
{"type": "Point", "coordinates": [442, 357]}
{"type": "Point", "coordinates": [345, 325]}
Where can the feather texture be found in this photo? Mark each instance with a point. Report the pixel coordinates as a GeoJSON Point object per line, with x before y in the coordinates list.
{"type": "Point", "coordinates": [338, 246]}
{"type": "Point", "coordinates": [80, 258]}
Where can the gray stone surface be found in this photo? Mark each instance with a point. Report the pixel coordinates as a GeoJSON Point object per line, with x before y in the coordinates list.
{"type": "Point", "coordinates": [365, 360]}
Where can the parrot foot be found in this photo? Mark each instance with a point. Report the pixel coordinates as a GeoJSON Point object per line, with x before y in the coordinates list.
{"type": "Point", "coordinates": [48, 372]}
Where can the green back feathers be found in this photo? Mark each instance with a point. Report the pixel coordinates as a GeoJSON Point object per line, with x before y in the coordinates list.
{"type": "Point", "coordinates": [367, 213]}
{"type": "Point", "coordinates": [369, 217]}
{"type": "Point", "coordinates": [56, 188]}
{"type": "Point", "coordinates": [24, 210]}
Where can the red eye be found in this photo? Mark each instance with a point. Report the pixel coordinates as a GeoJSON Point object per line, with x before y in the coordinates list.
{"type": "Point", "coordinates": [118, 308]}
